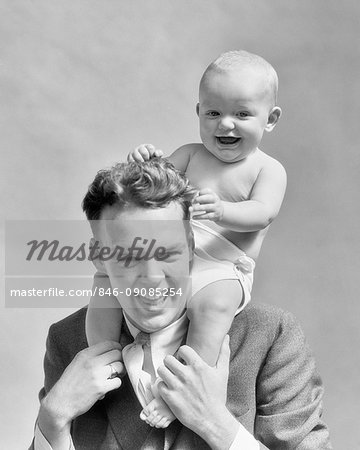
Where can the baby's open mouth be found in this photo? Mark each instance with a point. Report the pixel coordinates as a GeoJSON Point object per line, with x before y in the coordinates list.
{"type": "Point", "coordinates": [228, 140]}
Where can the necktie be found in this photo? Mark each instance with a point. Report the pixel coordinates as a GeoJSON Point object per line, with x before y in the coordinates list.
{"type": "Point", "coordinates": [142, 360]}
{"type": "Point", "coordinates": [137, 359]}
{"type": "Point", "coordinates": [156, 436]}
{"type": "Point", "coordinates": [143, 339]}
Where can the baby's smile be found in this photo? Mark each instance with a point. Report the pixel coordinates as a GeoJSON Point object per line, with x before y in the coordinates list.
{"type": "Point", "coordinates": [227, 140]}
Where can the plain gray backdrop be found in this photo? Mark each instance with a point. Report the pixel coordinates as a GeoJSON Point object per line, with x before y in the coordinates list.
{"type": "Point", "coordinates": [83, 82]}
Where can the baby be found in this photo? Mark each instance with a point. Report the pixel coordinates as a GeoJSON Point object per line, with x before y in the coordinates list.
{"type": "Point", "coordinates": [240, 191]}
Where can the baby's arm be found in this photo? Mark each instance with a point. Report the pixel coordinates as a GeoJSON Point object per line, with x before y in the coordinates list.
{"type": "Point", "coordinates": [253, 214]}
{"type": "Point", "coordinates": [179, 158]}
{"type": "Point", "coordinates": [144, 152]}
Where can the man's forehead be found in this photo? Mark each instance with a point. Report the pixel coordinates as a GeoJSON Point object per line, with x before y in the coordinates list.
{"type": "Point", "coordinates": [164, 224]}
{"type": "Point", "coordinates": [112, 212]}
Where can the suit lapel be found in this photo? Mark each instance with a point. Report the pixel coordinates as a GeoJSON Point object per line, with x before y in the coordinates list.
{"type": "Point", "coordinates": [187, 439]}
{"type": "Point", "coordinates": [171, 433]}
{"type": "Point", "coordinates": [123, 409]}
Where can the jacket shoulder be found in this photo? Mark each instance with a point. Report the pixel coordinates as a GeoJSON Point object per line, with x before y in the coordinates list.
{"type": "Point", "coordinates": [270, 313]}
{"type": "Point", "coordinates": [68, 334]}
{"type": "Point", "coordinates": [263, 324]}
{"type": "Point", "coordinates": [263, 316]}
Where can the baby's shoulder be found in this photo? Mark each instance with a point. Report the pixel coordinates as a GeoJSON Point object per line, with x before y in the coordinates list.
{"type": "Point", "coordinates": [192, 148]}
{"type": "Point", "coordinates": [263, 161]}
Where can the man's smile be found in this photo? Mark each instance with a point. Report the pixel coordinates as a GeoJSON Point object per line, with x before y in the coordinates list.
{"type": "Point", "coordinates": [151, 302]}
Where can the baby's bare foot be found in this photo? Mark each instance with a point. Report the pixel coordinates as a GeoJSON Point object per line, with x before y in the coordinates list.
{"type": "Point", "coordinates": [157, 414]}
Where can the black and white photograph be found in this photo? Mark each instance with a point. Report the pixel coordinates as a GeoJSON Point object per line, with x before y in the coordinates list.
{"type": "Point", "coordinates": [146, 147]}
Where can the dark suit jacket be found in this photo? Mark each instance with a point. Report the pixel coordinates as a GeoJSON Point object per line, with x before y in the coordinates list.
{"type": "Point", "coordinates": [273, 389]}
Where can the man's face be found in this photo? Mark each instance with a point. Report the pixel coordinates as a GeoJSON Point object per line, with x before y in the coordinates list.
{"type": "Point", "coordinates": [152, 289]}
{"type": "Point", "coordinates": [234, 111]}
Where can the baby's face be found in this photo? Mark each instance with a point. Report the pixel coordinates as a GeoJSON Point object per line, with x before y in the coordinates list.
{"type": "Point", "coordinates": [234, 110]}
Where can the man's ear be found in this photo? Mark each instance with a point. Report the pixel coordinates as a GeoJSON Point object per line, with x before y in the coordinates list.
{"type": "Point", "coordinates": [98, 263]}
{"type": "Point", "coordinates": [197, 108]}
{"type": "Point", "coordinates": [274, 116]}
{"type": "Point", "coordinates": [190, 241]}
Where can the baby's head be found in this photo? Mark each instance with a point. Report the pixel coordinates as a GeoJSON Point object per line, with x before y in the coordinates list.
{"type": "Point", "coordinates": [237, 103]}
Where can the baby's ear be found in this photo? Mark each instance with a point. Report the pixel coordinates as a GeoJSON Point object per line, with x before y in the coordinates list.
{"type": "Point", "coordinates": [94, 253]}
{"type": "Point", "coordinates": [274, 116]}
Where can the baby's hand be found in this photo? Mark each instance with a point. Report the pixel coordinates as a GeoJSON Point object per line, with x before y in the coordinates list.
{"type": "Point", "coordinates": [207, 205]}
{"type": "Point", "coordinates": [144, 152]}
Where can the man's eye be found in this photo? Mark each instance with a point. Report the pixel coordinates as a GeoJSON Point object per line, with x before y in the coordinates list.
{"type": "Point", "coordinates": [212, 113]}
{"type": "Point", "coordinates": [129, 261]}
{"type": "Point", "coordinates": [169, 255]}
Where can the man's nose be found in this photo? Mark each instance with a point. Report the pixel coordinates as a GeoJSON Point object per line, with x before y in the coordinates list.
{"type": "Point", "coordinates": [151, 273]}
{"type": "Point", "coordinates": [226, 123]}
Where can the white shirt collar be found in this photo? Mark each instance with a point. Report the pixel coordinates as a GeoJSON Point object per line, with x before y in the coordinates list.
{"type": "Point", "coordinates": [165, 341]}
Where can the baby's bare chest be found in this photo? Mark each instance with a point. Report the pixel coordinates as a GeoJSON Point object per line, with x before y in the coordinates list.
{"type": "Point", "coordinates": [232, 182]}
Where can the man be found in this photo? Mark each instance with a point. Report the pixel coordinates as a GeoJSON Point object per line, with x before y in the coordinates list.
{"type": "Point", "coordinates": [273, 395]}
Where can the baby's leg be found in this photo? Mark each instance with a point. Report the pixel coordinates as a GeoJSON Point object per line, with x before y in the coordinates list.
{"type": "Point", "coordinates": [211, 312]}
{"type": "Point", "coordinates": [104, 316]}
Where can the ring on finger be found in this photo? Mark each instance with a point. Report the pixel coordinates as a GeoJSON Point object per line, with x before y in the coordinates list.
{"type": "Point", "coordinates": [113, 373]}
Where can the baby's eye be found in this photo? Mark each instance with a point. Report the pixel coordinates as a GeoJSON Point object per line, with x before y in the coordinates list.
{"type": "Point", "coordinates": [212, 113]}
{"type": "Point", "coordinates": [243, 114]}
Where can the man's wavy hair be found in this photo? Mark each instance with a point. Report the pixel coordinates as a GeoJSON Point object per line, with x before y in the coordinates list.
{"type": "Point", "coordinates": [151, 184]}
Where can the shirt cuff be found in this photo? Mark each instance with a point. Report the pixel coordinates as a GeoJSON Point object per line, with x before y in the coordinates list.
{"type": "Point", "coordinates": [41, 443]}
{"type": "Point", "coordinates": [244, 439]}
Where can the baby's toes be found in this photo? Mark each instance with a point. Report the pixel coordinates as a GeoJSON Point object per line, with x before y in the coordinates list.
{"type": "Point", "coordinates": [144, 414]}
{"type": "Point", "coordinates": [163, 423]}
{"type": "Point", "coordinates": [153, 419]}
{"type": "Point", "coordinates": [148, 410]}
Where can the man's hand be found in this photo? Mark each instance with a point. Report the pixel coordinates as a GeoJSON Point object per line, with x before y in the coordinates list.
{"type": "Point", "coordinates": [86, 380]}
{"type": "Point", "coordinates": [207, 205]}
{"type": "Point", "coordinates": [196, 394]}
{"type": "Point", "coordinates": [144, 152]}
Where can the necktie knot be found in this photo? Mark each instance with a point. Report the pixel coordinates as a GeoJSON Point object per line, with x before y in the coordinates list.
{"type": "Point", "coordinates": [143, 339]}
